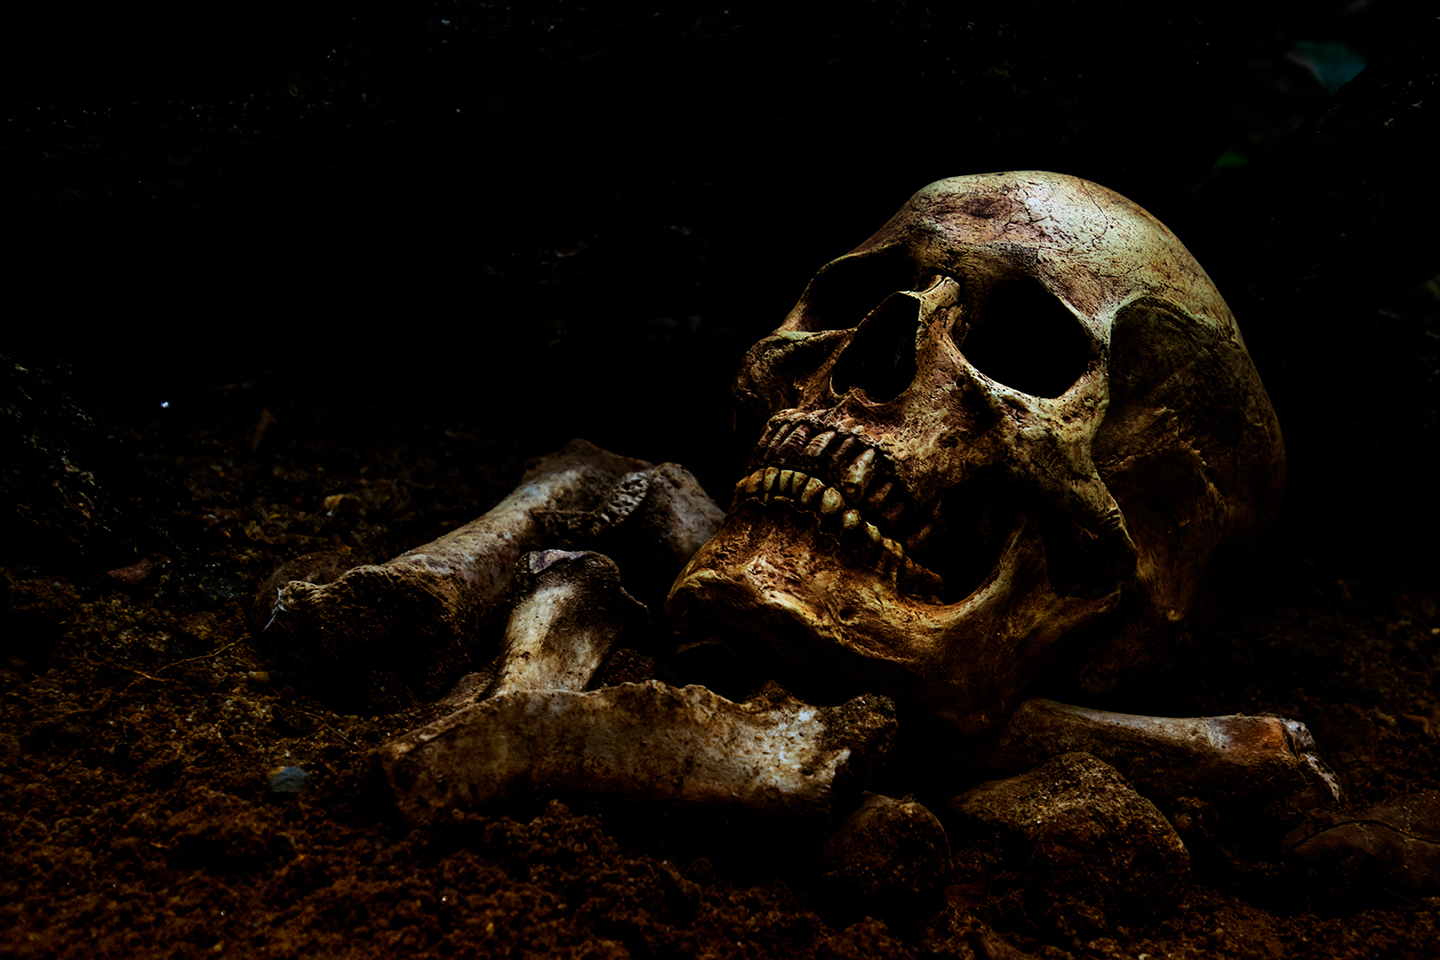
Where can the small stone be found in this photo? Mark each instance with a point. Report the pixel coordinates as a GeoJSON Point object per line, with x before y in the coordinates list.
{"type": "Point", "coordinates": [135, 574]}
{"type": "Point", "coordinates": [1074, 823]}
{"type": "Point", "coordinates": [287, 780]}
{"type": "Point", "coordinates": [888, 852]}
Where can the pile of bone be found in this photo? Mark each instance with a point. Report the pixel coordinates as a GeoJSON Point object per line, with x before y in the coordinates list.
{"type": "Point", "coordinates": [535, 727]}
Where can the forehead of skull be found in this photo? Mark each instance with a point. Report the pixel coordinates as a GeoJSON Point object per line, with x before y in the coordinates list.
{"type": "Point", "coordinates": [1089, 246]}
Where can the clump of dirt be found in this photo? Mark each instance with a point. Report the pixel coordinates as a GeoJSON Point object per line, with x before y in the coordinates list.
{"type": "Point", "coordinates": [141, 733]}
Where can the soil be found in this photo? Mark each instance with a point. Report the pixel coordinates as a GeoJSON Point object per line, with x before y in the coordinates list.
{"type": "Point", "coordinates": [142, 730]}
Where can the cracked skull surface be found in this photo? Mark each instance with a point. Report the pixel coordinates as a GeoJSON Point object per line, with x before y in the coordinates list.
{"type": "Point", "coordinates": [1016, 433]}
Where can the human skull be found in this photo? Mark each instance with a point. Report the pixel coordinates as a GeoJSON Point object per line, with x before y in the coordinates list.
{"type": "Point", "coordinates": [1019, 418]}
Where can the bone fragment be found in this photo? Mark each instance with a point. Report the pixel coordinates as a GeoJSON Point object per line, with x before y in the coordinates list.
{"type": "Point", "coordinates": [1259, 759]}
{"type": "Point", "coordinates": [570, 611]}
{"type": "Point", "coordinates": [651, 523]}
{"type": "Point", "coordinates": [399, 630]}
{"type": "Point", "coordinates": [647, 744]}
{"type": "Point", "coordinates": [317, 568]}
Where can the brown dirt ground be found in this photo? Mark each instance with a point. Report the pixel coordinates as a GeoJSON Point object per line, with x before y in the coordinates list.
{"type": "Point", "coordinates": [139, 726]}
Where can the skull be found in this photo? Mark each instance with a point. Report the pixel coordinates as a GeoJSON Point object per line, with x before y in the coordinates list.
{"type": "Point", "coordinates": [1016, 429]}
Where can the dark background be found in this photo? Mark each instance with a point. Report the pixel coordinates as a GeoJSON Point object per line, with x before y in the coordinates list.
{"type": "Point", "coordinates": [558, 219]}
{"type": "Point", "coordinates": [295, 277]}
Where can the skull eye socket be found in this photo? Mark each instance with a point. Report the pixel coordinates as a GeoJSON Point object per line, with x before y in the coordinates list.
{"type": "Point", "coordinates": [880, 360]}
{"type": "Point", "coordinates": [1020, 335]}
{"type": "Point", "coordinates": [843, 293]}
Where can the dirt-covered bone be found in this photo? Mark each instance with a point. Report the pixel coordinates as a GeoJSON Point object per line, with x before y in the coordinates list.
{"type": "Point", "coordinates": [1252, 760]}
{"type": "Point", "coordinates": [651, 522]}
{"type": "Point", "coordinates": [384, 634]}
{"type": "Point", "coordinates": [1016, 421]}
{"type": "Point", "coordinates": [570, 611]}
{"type": "Point", "coordinates": [650, 744]}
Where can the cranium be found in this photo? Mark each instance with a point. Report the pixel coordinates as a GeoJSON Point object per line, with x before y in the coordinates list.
{"type": "Point", "coordinates": [1018, 419]}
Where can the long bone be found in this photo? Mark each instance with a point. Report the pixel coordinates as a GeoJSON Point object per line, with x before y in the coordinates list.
{"type": "Point", "coordinates": [651, 523]}
{"type": "Point", "coordinates": [569, 613]}
{"type": "Point", "coordinates": [663, 748]}
{"type": "Point", "coordinates": [402, 629]}
{"type": "Point", "coordinates": [1223, 759]}
{"type": "Point", "coordinates": [539, 736]}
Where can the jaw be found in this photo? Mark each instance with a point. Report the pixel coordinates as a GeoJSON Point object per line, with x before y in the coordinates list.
{"type": "Point", "coordinates": [834, 600]}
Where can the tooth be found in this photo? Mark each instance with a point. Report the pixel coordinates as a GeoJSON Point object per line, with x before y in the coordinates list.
{"type": "Point", "coordinates": [771, 475]}
{"type": "Point", "coordinates": [874, 544]}
{"type": "Point", "coordinates": [915, 543]}
{"type": "Point", "coordinates": [841, 454]}
{"type": "Point", "coordinates": [817, 445]}
{"type": "Point", "coordinates": [831, 502]}
{"type": "Point", "coordinates": [919, 580]}
{"type": "Point", "coordinates": [795, 442]}
{"type": "Point", "coordinates": [812, 490]}
{"type": "Point", "coordinates": [753, 482]}
{"type": "Point", "coordinates": [892, 513]}
{"type": "Point", "coordinates": [857, 478]}
{"type": "Point", "coordinates": [877, 496]}
{"type": "Point", "coordinates": [891, 558]}
{"type": "Point", "coordinates": [764, 442]}
{"type": "Point", "coordinates": [850, 520]}
{"type": "Point", "coordinates": [777, 441]}
{"type": "Point", "coordinates": [787, 477]}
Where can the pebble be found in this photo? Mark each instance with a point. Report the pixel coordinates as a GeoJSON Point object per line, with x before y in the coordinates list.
{"type": "Point", "coordinates": [286, 780]}
{"type": "Point", "coordinates": [888, 852]}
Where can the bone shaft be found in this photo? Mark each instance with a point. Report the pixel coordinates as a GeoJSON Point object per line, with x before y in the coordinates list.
{"type": "Point", "coordinates": [1229, 757]}
{"type": "Point", "coordinates": [569, 614]}
{"type": "Point", "coordinates": [433, 601]}
{"type": "Point", "coordinates": [534, 659]}
{"type": "Point", "coordinates": [484, 551]}
{"type": "Point", "coordinates": [646, 743]}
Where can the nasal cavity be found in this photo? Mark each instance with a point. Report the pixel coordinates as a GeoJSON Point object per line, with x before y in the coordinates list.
{"type": "Point", "coordinates": [880, 359]}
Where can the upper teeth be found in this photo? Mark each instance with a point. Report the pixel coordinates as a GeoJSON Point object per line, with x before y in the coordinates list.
{"type": "Point", "coordinates": [866, 486]}
{"type": "Point", "coordinates": [847, 461]}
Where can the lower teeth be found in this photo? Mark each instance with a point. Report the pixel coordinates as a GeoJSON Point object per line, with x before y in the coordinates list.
{"type": "Point", "coordinates": [813, 496]}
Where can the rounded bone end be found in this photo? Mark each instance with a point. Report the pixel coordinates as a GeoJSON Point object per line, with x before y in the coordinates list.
{"type": "Point", "coordinates": [570, 611]}
{"type": "Point", "coordinates": [311, 568]}
{"type": "Point", "coordinates": [1392, 845]}
{"type": "Point", "coordinates": [375, 638]}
